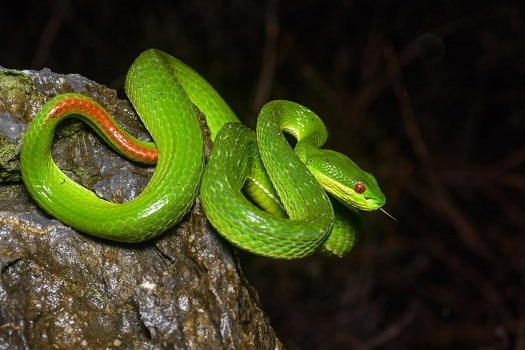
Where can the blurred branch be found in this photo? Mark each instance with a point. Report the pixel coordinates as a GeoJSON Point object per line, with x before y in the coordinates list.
{"type": "Point", "coordinates": [494, 180]}
{"type": "Point", "coordinates": [439, 191]}
{"type": "Point", "coordinates": [393, 331]}
{"type": "Point", "coordinates": [267, 72]}
{"type": "Point", "coordinates": [49, 33]}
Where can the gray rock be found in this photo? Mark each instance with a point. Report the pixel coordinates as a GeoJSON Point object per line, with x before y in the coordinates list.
{"type": "Point", "coordinates": [63, 289]}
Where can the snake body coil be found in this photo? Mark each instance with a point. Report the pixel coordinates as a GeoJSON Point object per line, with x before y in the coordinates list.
{"type": "Point", "coordinates": [289, 215]}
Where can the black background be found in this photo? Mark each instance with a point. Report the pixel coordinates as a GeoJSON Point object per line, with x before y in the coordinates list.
{"type": "Point", "coordinates": [428, 96]}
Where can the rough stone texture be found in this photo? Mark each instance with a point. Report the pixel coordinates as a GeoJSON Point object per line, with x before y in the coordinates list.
{"type": "Point", "coordinates": [63, 289]}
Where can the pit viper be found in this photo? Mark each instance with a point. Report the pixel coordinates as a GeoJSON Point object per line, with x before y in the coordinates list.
{"type": "Point", "coordinates": [259, 192]}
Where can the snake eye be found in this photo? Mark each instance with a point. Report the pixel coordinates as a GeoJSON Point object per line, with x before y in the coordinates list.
{"type": "Point", "coordinates": [359, 188]}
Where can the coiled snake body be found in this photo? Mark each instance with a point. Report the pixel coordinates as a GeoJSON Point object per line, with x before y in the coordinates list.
{"type": "Point", "coordinates": [288, 213]}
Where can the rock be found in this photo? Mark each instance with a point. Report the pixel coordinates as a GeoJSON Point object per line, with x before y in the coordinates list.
{"type": "Point", "coordinates": [62, 289]}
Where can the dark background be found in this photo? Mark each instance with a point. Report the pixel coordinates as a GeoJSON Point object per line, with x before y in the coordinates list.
{"type": "Point", "coordinates": [427, 95]}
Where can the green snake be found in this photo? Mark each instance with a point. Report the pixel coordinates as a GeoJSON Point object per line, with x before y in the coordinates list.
{"type": "Point", "coordinates": [257, 191]}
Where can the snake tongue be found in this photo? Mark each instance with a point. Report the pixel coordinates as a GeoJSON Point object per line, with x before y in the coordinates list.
{"type": "Point", "coordinates": [387, 214]}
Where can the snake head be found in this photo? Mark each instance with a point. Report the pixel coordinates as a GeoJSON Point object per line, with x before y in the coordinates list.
{"type": "Point", "coordinates": [345, 180]}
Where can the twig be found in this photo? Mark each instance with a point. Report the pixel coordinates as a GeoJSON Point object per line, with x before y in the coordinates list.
{"type": "Point", "coordinates": [393, 330]}
{"type": "Point", "coordinates": [267, 73]}
{"type": "Point", "coordinates": [49, 33]}
{"type": "Point", "coordinates": [440, 193]}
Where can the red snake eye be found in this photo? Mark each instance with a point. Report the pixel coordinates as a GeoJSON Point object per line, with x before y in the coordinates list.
{"type": "Point", "coordinates": [359, 188]}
